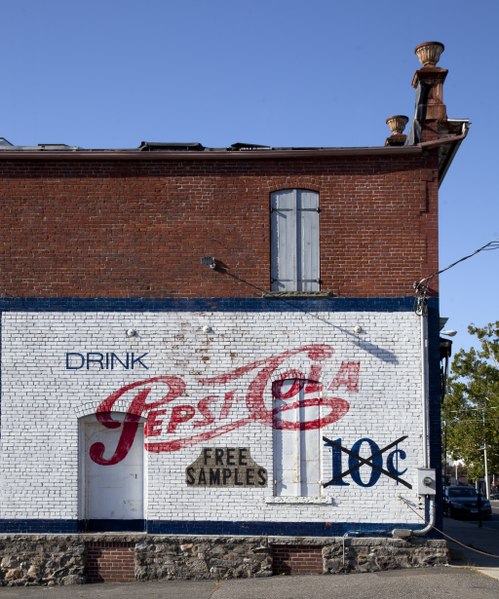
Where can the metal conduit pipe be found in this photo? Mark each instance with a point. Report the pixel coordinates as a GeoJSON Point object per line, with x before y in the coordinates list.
{"type": "Point", "coordinates": [405, 533]}
{"type": "Point", "coordinates": [424, 531]}
{"type": "Point", "coordinates": [344, 538]}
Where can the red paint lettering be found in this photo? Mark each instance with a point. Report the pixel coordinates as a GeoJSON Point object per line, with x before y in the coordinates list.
{"type": "Point", "coordinates": [300, 389]}
{"type": "Point", "coordinates": [298, 383]}
{"type": "Point", "coordinates": [153, 424]}
{"type": "Point", "coordinates": [228, 401]}
{"type": "Point", "coordinates": [130, 424]}
{"type": "Point", "coordinates": [204, 409]}
{"type": "Point", "coordinates": [180, 414]}
{"type": "Point", "coordinates": [304, 391]}
{"type": "Point", "coordinates": [347, 376]}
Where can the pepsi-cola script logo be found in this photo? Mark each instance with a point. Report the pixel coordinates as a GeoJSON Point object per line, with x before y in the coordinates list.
{"type": "Point", "coordinates": [211, 416]}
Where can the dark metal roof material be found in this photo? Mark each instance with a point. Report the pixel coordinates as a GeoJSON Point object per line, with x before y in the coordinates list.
{"type": "Point", "coordinates": [157, 146]}
{"type": "Point", "coordinates": [242, 146]}
{"type": "Point", "coordinates": [55, 147]}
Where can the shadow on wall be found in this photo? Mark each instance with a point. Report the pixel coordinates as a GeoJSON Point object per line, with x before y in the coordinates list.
{"type": "Point", "coordinates": [378, 352]}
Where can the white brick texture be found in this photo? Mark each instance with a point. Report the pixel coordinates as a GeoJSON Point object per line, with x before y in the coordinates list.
{"type": "Point", "coordinates": [45, 393]}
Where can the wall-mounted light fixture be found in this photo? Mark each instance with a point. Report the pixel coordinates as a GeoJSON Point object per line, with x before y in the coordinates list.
{"type": "Point", "coordinates": [131, 333]}
{"type": "Point", "coordinates": [357, 329]}
{"type": "Point", "coordinates": [209, 261]}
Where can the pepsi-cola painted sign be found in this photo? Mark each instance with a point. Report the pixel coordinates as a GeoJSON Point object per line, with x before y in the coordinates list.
{"type": "Point", "coordinates": [262, 400]}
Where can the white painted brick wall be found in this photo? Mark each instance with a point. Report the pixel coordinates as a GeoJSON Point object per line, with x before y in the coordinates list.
{"type": "Point", "coordinates": [42, 401]}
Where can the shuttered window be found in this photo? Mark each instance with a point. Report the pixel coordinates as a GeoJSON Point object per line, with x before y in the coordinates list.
{"type": "Point", "coordinates": [297, 447]}
{"type": "Point", "coordinates": [295, 240]}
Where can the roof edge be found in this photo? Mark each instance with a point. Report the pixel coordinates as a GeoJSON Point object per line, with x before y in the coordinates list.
{"type": "Point", "coordinates": [447, 147]}
{"type": "Point", "coordinates": [78, 154]}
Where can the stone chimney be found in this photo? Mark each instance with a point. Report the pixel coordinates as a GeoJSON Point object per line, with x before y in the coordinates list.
{"type": "Point", "coordinates": [431, 115]}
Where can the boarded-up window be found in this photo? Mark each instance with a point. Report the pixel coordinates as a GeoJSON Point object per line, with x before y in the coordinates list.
{"type": "Point", "coordinates": [297, 438]}
{"type": "Point", "coordinates": [295, 240]}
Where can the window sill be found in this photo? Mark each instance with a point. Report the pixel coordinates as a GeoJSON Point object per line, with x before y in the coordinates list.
{"type": "Point", "coordinates": [298, 294]}
{"type": "Point", "coordinates": [299, 500]}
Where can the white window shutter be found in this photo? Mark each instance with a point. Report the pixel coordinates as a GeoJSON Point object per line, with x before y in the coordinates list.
{"type": "Point", "coordinates": [308, 219]}
{"type": "Point", "coordinates": [286, 450]}
{"type": "Point", "coordinates": [284, 270]}
{"type": "Point", "coordinates": [297, 452]}
{"type": "Point", "coordinates": [295, 240]}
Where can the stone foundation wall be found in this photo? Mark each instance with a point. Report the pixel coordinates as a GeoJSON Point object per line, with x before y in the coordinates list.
{"type": "Point", "coordinates": [373, 555]}
{"type": "Point", "coordinates": [159, 557]}
{"type": "Point", "coordinates": [27, 560]}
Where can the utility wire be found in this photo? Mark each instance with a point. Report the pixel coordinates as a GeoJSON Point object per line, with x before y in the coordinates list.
{"type": "Point", "coordinates": [423, 283]}
{"type": "Point", "coordinates": [422, 287]}
{"type": "Point", "coordinates": [281, 298]}
{"type": "Point", "coordinates": [448, 536]}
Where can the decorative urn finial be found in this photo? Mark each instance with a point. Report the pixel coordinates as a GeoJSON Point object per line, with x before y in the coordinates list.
{"type": "Point", "coordinates": [397, 123]}
{"type": "Point", "coordinates": [429, 53]}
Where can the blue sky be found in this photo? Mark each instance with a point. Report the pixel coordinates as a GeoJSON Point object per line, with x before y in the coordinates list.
{"type": "Point", "coordinates": [112, 73]}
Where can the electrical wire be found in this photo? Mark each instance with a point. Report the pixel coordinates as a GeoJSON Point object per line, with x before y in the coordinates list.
{"type": "Point", "coordinates": [421, 287]}
{"type": "Point", "coordinates": [424, 283]}
{"type": "Point", "coordinates": [448, 536]}
{"type": "Point", "coordinates": [280, 298]}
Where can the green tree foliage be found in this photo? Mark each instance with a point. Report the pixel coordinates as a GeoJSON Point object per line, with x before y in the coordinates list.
{"type": "Point", "coordinates": [470, 410]}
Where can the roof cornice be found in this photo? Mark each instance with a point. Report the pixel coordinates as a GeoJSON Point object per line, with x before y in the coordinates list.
{"type": "Point", "coordinates": [270, 154]}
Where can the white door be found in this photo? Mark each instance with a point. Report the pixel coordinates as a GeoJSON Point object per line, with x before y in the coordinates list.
{"type": "Point", "coordinates": [113, 492]}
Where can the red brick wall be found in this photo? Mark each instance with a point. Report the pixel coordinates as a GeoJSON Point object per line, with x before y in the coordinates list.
{"type": "Point", "coordinates": [110, 562]}
{"type": "Point", "coordinates": [296, 560]}
{"type": "Point", "coordinates": [138, 228]}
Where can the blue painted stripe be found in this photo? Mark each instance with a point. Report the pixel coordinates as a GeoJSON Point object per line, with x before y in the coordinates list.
{"type": "Point", "coordinates": [310, 529]}
{"type": "Point", "coordinates": [39, 526]}
{"type": "Point", "coordinates": [106, 525]}
{"type": "Point", "coordinates": [233, 304]}
{"type": "Point", "coordinates": [205, 527]}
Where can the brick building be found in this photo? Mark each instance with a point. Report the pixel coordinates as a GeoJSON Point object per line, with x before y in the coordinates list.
{"type": "Point", "coordinates": [201, 341]}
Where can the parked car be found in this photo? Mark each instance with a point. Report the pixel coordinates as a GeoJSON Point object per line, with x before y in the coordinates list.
{"type": "Point", "coordinates": [464, 502]}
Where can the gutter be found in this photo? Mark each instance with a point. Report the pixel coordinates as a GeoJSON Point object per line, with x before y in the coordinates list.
{"type": "Point", "coordinates": [206, 155]}
{"type": "Point", "coordinates": [452, 140]}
